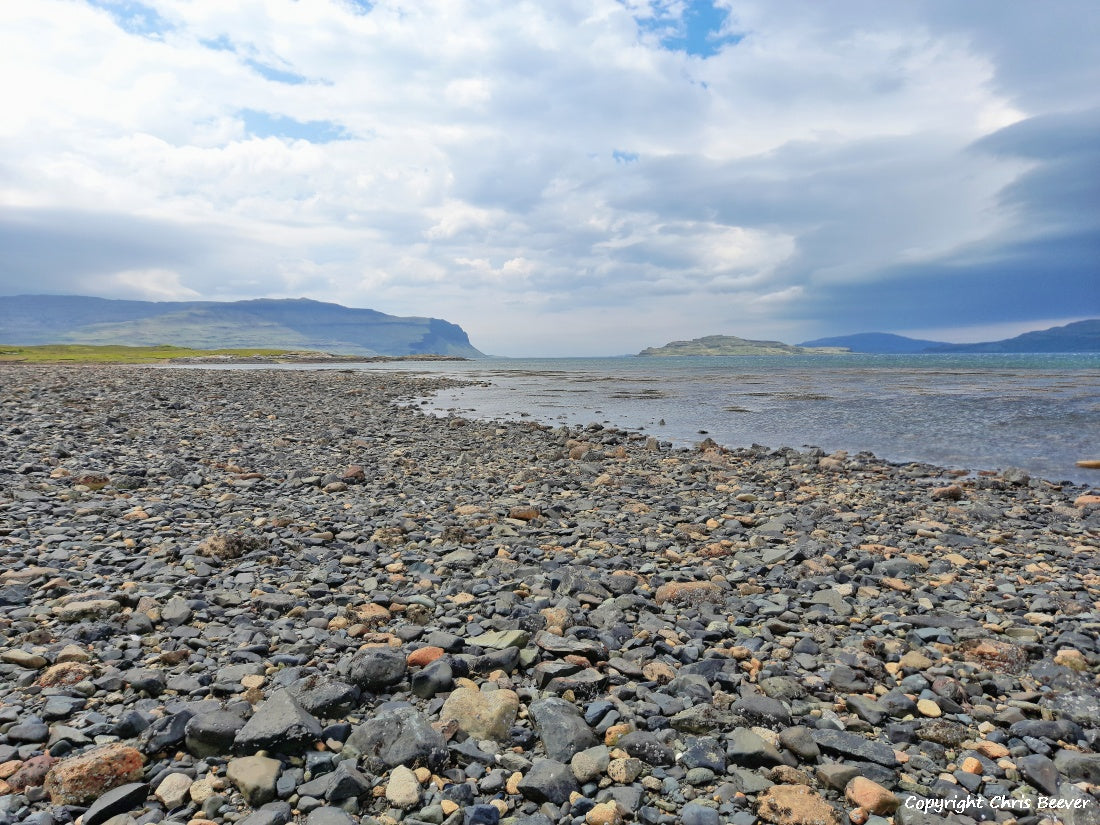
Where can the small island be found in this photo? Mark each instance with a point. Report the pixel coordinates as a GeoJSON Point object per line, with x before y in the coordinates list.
{"type": "Point", "coordinates": [732, 345]}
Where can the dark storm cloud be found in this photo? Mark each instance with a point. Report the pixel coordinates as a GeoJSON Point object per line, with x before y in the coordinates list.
{"type": "Point", "coordinates": [1055, 277]}
{"type": "Point", "coordinates": [58, 250]}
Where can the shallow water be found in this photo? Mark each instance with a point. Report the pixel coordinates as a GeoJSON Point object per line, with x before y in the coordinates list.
{"type": "Point", "coordinates": [967, 411]}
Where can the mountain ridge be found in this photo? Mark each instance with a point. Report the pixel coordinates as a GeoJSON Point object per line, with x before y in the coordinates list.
{"type": "Point", "coordinates": [875, 342]}
{"type": "Point", "coordinates": [1078, 336]}
{"type": "Point", "coordinates": [289, 323]}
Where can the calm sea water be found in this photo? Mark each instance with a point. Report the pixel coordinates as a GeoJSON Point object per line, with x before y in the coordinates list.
{"type": "Point", "coordinates": [966, 411]}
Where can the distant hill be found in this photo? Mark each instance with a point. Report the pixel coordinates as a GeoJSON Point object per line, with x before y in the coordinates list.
{"type": "Point", "coordinates": [1082, 336]}
{"type": "Point", "coordinates": [730, 345]}
{"type": "Point", "coordinates": [282, 324]}
{"type": "Point", "coordinates": [877, 342]}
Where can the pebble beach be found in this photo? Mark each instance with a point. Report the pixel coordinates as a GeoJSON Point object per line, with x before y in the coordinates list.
{"type": "Point", "coordinates": [263, 597]}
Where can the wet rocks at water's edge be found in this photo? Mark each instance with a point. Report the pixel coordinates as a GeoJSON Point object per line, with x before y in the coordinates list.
{"type": "Point", "coordinates": [273, 597]}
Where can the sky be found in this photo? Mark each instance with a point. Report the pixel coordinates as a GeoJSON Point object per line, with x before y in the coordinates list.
{"type": "Point", "coordinates": [577, 177]}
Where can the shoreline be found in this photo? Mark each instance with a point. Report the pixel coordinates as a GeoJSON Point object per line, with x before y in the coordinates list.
{"type": "Point", "coordinates": [246, 562]}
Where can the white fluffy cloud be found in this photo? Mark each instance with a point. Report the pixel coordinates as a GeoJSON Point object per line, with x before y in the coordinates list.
{"type": "Point", "coordinates": [558, 178]}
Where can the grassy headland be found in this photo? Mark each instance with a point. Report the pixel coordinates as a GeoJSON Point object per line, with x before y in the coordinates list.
{"type": "Point", "coordinates": [112, 354]}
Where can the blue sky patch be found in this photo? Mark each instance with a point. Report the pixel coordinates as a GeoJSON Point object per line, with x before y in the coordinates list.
{"type": "Point", "coordinates": [221, 43]}
{"type": "Point", "coordinates": [134, 17]}
{"type": "Point", "coordinates": [624, 157]}
{"type": "Point", "coordinates": [265, 124]}
{"type": "Point", "coordinates": [360, 6]}
{"type": "Point", "coordinates": [697, 31]}
{"type": "Point", "coordinates": [274, 74]}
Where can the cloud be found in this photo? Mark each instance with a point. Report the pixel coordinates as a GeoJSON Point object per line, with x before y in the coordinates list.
{"type": "Point", "coordinates": [152, 285]}
{"type": "Point", "coordinates": [575, 177]}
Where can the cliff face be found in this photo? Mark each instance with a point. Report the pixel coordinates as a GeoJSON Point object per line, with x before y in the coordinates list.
{"type": "Point", "coordinates": [288, 324]}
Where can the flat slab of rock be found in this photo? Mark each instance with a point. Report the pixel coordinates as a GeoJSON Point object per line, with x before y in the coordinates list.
{"type": "Point", "coordinates": [120, 800]}
{"type": "Point", "coordinates": [854, 746]}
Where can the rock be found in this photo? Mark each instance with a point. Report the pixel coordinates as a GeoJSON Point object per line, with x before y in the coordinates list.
{"type": "Point", "coordinates": [994, 654]}
{"type": "Point", "coordinates": [345, 782]}
{"type": "Point", "coordinates": [870, 796]}
{"type": "Point", "coordinates": [794, 805]}
{"type": "Point", "coordinates": [704, 752]}
{"type": "Point", "coordinates": [482, 815]}
{"type": "Point", "coordinates": [254, 777]}
{"type": "Point", "coordinates": [589, 764]}
{"type": "Point", "coordinates": [800, 741]}
{"type": "Point", "coordinates": [375, 669]}
{"type": "Point", "coordinates": [120, 800]}
{"type": "Point", "coordinates": [399, 737]}
{"type": "Point", "coordinates": [326, 815]}
{"type": "Point", "coordinates": [943, 732]}
{"type": "Point", "coordinates": [848, 680]}
{"type": "Point", "coordinates": [31, 729]}
{"type": "Point", "coordinates": [279, 724]}
{"type": "Point", "coordinates": [91, 609]}
{"type": "Point", "coordinates": [227, 546]}
{"type": "Point", "coordinates": [746, 748]}
{"type": "Point", "coordinates": [175, 612]}
{"type": "Point", "coordinates": [482, 714]}
{"type": "Point", "coordinates": [424, 656]}
{"type": "Point", "coordinates": [1079, 807]}
{"type": "Point", "coordinates": [1078, 767]}
{"type": "Point", "coordinates": [604, 813]}
{"type": "Point", "coordinates": [836, 775]}
{"type": "Point", "coordinates": [757, 709]}
{"type": "Point", "coordinates": [403, 788]}
{"type": "Point", "coordinates": [21, 658]}
{"type": "Point", "coordinates": [688, 593]}
{"type": "Point", "coordinates": [81, 779]}
{"type": "Point", "coordinates": [65, 673]}
{"type": "Point", "coordinates": [867, 709]}
{"type": "Point", "coordinates": [952, 492]}
{"type": "Point", "coordinates": [1040, 772]}
{"type": "Point", "coordinates": [174, 790]}
{"type": "Point", "coordinates": [548, 781]}
{"type": "Point", "coordinates": [323, 697]}
{"type": "Point", "coordinates": [273, 813]}
{"type": "Point", "coordinates": [212, 734]}
{"type": "Point", "coordinates": [854, 746]}
{"type": "Point", "coordinates": [31, 773]}
{"type": "Point", "coordinates": [561, 727]}
{"type": "Point", "coordinates": [926, 707]}
{"type": "Point", "coordinates": [624, 771]}
{"type": "Point", "coordinates": [645, 746]}
{"type": "Point", "coordinates": [696, 813]}
{"type": "Point", "coordinates": [165, 733]}
{"type": "Point", "coordinates": [501, 639]}
{"type": "Point", "coordinates": [437, 677]}
{"type": "Point", "coordinates": [146, 680]}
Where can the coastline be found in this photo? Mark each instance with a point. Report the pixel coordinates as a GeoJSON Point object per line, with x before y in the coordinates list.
{"type": "Point", "coordinates": [726, 625]}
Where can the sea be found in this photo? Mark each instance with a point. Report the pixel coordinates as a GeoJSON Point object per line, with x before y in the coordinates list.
{"type": "Point", "coordinates": [966, 411]}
